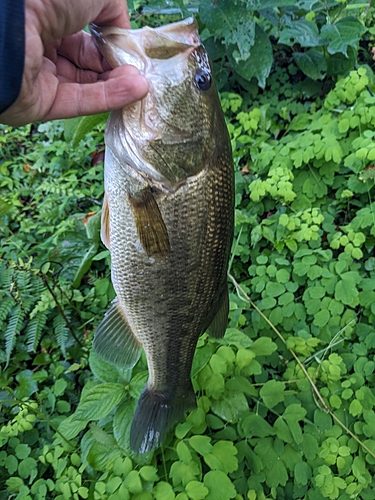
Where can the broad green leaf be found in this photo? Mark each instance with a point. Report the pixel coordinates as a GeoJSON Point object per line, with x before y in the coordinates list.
{"type": "Point", "coordinates": [213, 462]}
{"type": "Point", "coordinates": [321, 318]}
{"type": "Point", "coordinates": [27, 384]}
{"type": "Point", "coordinates": [293, 414]}
{"type": "Point", "coordinates": [102, 370]}
{"type": "Point", "coordinates": [355, 408]}
{"type": "Point", "coordinates": [259, 62]}
{"type": "Point", "coordinates": [218, 364]}
{"type": "Point", "coordinates": [295, 411]}
{"type": "Point", "coordinates": [163, 491]}
{"type": "Point", "coordinates": [70, 427]}
{"type": "Point", "coordinates": [255, 426]}
{"type": "Point", "coordinates": [226, 452]}
{"type": "Point", "coordinates": [100, 455]}
{"type": "Point", "coordinates": [303, 32]}
{"type": "Point", "coordinates": [309, 446]}
{"type": "Point", "coordinates": [133, 482]}
{"type": "Point", "coordinates": [149, 473]}
{"type": "Point", "coordinates": [102, 437]}
{"type": "Point", "coordinates": [85, 264]}
{"type": "Point", "coordinates": [282, 430]}
{"type": "Point", "coordinates": [27, 468]}
{"type": "Point", "coordinates": [4, 207]}
{"type": "Point", "coordinates": [196, 490]}
{"type": "Point", "coordinates": [85, 125]}
{"type": "Point", "coordinates": [181, 473]}
{"type": "Point", "coordinates": [241, 384]}
{"type": "Point", "coordinates": [183, 452]}
{"type": "Point", "coordinates": [339, 64]}
{"type": "Point", "coordinates": [22, 451]}
{"type": "Point", "coordinates": [312, 63]}
{"type": "Point", "coordinates": [274, 289]}
{"type": "Point", "coordinates": [273, 4]}
{"type": "Point", "coordinates": [219, 485]}
{"type": "Point", "coordinates": [282, 276]}
{"type": "Point", "coordinates": [14, 484]}
{"type": "Point", "coordinates": [215, 385]}
{"type": "Point", "coordinates": [201, 358]}
{"type": "Point", "coordinates": [182, 429]}
{"type": "Point", "coordinates": [263, 346]}
{"type": "Point", "coordinates": [121, 429]}
{"type": "Point", "coordinates": [137, 384]}
{"type": "Point", "coordinates": [272, 393]}
{"type": "Point", "coordinates": [235, 27]}
{"type": "Point", "coordinates": [182, 496]}
{"type": "Point", "coordinates": [11, 464]}
{"type": "Point", "coordinates": [277, 475]}
{"type": "Point", "coordinates": [201, 444]}
{"type": "Point", "coordinates": [99, 401]}
{"type": "Point", "coordinates": [302, 473]}
{"type": "Point", "coordinates": [266, 452]}
{"type": "Point", "coordinates": [346, 292]}
{"type": "Point", "coordinates": [113, 484]}
{"type": "Point", "coordinates": [237, 338]}
{"type": "Point", "coordinates": [70, 126]}
{"type": "Point", "coordinates": [346, 32]}
{"type": "Point", "coordinates": [230, 406]}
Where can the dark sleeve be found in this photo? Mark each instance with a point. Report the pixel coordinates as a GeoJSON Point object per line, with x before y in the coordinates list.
{"type": "Point", "coordinates": [12, 50]}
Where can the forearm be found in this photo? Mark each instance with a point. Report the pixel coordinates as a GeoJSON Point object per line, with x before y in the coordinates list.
{"type": "Point", "coordinates": [12, 51]}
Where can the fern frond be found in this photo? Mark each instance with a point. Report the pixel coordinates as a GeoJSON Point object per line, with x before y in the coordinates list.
{"type": "Point", "coordinates": [35, 329]}
{"type": "Point", "coordinates": [23, 279]}
{"type": "Point", "coordinates": [61, 332]}
{"type": "Point", "coordinates": [14, 327]}
{"type": "Point", "coordinates": [5, 307]}
{"type": "Point", "coordinates": [5, 277]}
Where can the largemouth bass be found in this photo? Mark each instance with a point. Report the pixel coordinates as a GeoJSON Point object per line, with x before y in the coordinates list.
{"type": "Point", "coordinates": [167, 219]}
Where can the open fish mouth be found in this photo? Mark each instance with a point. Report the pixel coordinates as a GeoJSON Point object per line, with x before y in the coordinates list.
{"type": "Point", "coordinates": [138, 47]}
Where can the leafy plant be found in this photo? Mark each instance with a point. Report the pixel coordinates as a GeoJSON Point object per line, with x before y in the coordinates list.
{"type": "Point", "coordinates": [285, 400]}
{"type": "Point", "coordinates": [321, 38]}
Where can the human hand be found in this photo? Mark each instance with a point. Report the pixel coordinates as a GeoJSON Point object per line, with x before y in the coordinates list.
{"type": "Point", "coordinates": [64, 74]}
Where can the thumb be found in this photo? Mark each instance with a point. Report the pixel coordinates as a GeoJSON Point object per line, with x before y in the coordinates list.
{"type": "Point", "coordinates": [119, 87]}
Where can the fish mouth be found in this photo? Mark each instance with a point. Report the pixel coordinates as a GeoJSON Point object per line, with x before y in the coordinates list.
{"type": "Point", "coordinates": [136, 47]}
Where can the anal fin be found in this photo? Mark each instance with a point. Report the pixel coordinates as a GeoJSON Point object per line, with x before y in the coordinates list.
{"type": "Point", "coordinates": [114, 341]}
{"type": "Point", "coordinates": [150, 225]}
{"type": "Point", "coordinates": [220, 322]}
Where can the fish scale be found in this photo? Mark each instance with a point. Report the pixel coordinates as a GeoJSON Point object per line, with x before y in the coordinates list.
{"type": "Point", "coordinates": [167, 219]}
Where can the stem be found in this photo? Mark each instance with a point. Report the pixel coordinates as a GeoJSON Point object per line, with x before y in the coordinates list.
{"type": "Point", "coordinates": [40, 415]}
{"type": "Point", "coordinates": [45, 281]}
{"type": "Point", "coordinates": [313, 386]}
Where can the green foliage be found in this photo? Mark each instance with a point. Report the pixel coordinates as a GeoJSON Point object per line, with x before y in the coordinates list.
{"type": "Point", "coordinates": [245, 37]}
{"type": "Point", "coordinates": [303, 253]}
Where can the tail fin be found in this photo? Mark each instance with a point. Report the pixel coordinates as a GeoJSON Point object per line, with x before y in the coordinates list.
{"type": "Point", "coordinates": [154, 417]}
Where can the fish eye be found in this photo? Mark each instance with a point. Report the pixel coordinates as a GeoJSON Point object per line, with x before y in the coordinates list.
{"type": "Point", "coordinates": [202, 80]}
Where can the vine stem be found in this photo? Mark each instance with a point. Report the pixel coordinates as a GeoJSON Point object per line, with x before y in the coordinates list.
{"type": "Point", "coordinates": [51, 291]}
{"type": "Point", "coordinates": [41, 415]}
{"type": "Point", "coordinates": [243, 295]}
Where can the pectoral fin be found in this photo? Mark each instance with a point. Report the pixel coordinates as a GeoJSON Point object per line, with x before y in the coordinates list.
{"type": "Point", "coordinates": [220, 322]}
{"type": "Point", "coordinates": [150, 225]}
{"type": "Point", "coordinates": [114, 341]}
{"type": "Point", "coordinates": [104, 232]}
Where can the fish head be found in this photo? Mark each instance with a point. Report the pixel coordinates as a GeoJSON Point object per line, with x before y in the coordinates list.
{"type": "Point", "coordinates": [172, 133]}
